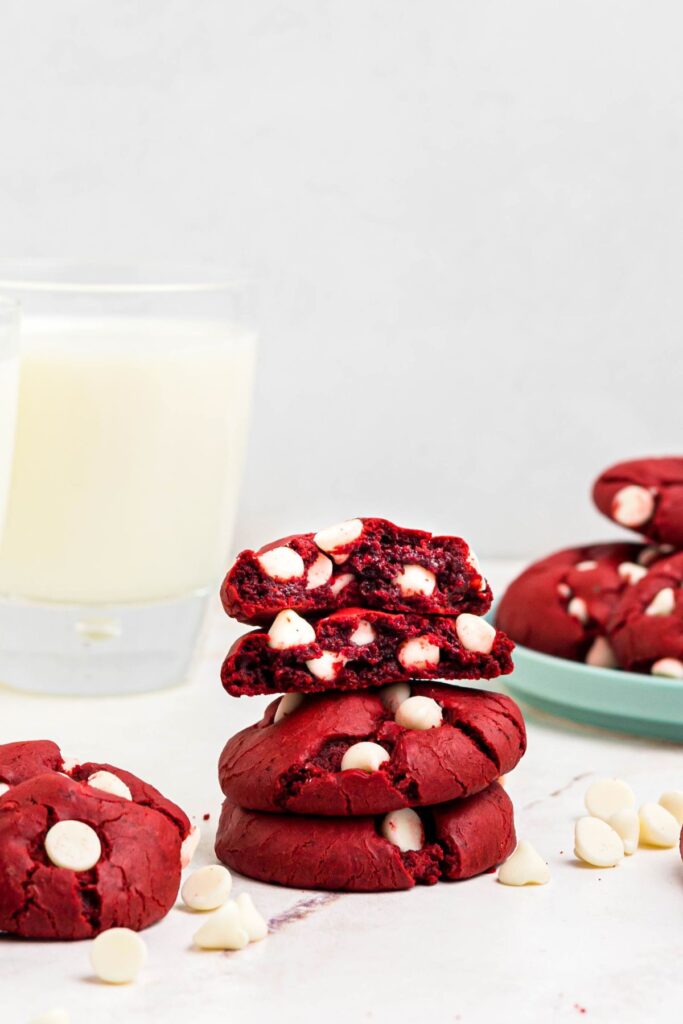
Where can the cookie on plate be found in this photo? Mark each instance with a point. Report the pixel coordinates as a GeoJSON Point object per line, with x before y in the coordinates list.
{"type": "Point", "coordinates": [368, 563]}
{"type": "Point", "coordinates": [346, 754]}
{"type": "Point", "coordinates": [646, 626]}
{"type": "Point", "coordinates": [645, 495]}
{"type": "Point", "coordinates": [356, 648]}
{"type": "Point", "coordinates": [452, 841]}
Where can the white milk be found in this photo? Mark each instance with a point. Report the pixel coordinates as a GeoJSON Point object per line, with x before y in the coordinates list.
{"type": "Point", "coordinates": [129, 448]}
{"type": "Point", "coordinates": [9, 388]}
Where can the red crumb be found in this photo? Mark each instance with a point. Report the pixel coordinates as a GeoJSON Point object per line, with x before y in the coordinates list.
{"type": "Point", "coordinates": [206, 816]}
{"type": "Point", "coordinates": [581, 1009]}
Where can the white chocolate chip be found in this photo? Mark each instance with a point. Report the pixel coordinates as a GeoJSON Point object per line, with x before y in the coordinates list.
{"type": "Point", "coordinates": [626, 824]}
{"type": "Point", "coordinates": [670, 668]}
{"type": "Point", "coordinates": [631, 571]}
{"type": "Point", "coordinates": [578, 609]}
{"type": "Point", "coordinates": [118, 955]}
{"type": "Point", "coordinates": [338, 536]}
{"type": "Point", "coordinates": [596, 843]}
{"type": "Point", "coordinates": [474, 562]}
{"type": "Point", "coordinates": [363, 634]}
{"type": "Point", "coordinates": [319, 573]}
{"type": "Point", "coordinates": [564, 590]}
{"type": "Point", "coordinates": [663, 603]}
{"type": "Point", "coordinates": [109, 783]}
{"type": "Point", "coordinates": [207, 888]}
{"type": "Point", "coordinates": [254, 923]}
{"type": "Point", "coordinates": [648, 555]}
{"type": "Point", "coordinates": [524, 867]}
{"type": "Point", "coordinates": [282, 564]}
{"type": "Point", "coordinates": [672, 801]}
{"type": "Point", "coordinates": [223, 930]}
{"type": "Point", "coordinates": [327, 667]}
{"type": "Point", "coordinates": [415, 580]}
{"type": "Point", "coordinates": [288, 703]}
{"type": "Point", "coordinates": [290, 630]}
{"type": "Point", "coordinates": [633, 505]}
{"type": "Point", "coordinates": [4, 788]}
{"type": "Point", "coordinates": [73, 845]}
{"type": "Point", "coordinates": [364, 757]}
{"type": "Point", "coordinates": [475, 633]}
{"type": "Point", "coordinates": [418, 654]}
{"type": "Point", "coordinates": [189, 846]}
{"type": "Point", "coordinates": [419, 713]}
{"type": "Point", "coordinates": [52, 1017]}
{"type": "Point", "coordinates": [586, 566]}
{"type": "Point", "coordinates": [600, 654]}
{"type": "Point", "coordinates": [393, 695]}
{"type": "Point", "coordinates": [658, 827]}
{"type": "Point", "coordinates": [607, 796]}
{"type": "Point", "coordinates": [341, 581]}
{"type": "Point", "coordinates": [404, 829]}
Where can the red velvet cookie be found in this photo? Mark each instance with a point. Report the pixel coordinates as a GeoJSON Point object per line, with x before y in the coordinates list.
{"type": "Point", "coordinates": [453, 841]}
{"type": "Point", "coordinates": [646, 495]}
{"type": "Point", "coordinates": [75, 860]}
{"type": "Point", "coordinates": [293, 762]}
{"type": "Point", "coordinates": [356, 648]}
{"type": "Point", "coordinates": [363, 562]}
{"type": "Point", "coordinates": [646, 627]}
{"type": "Point", "coordinates": [561, 604]}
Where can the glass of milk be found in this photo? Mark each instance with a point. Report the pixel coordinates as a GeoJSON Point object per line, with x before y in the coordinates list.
{"type": "Point", "coordinates": [9, 391]}
{"type": "Point", "coordinates": [131, 428]}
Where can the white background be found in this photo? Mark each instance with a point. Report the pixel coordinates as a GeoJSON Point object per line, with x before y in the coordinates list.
{"type": "Point", "coordinates": [465, 216]}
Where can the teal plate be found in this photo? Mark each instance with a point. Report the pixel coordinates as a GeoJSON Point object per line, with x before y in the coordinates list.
{"type": "Point", "coordinates": [622, 701]}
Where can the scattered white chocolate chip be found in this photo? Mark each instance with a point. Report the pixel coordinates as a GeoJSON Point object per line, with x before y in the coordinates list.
{"type": "Point", "coordinates": [404, 829]}
{"type": "Point", "coordinates": [282, 564]}
{"type": "Point", "coordinates": [363, 634]}
{"type": "Point", "coordinates": [633, 505]}
{"type": "Point", "coordinates": [393, 695]}
{"type": "Point", "coordinates": [564, 590]}
{"type": "Point", "coordinates": [4, 788]}
{"type": "Point", "coordinates": [338, 536]}
{"type": "Point", "coordinates": [626, 824]}
{"type": "Point", "coordinates": [524, 867]}
{"type": "Point", "coordinates": [419, 713]}
{"type": "Point", "coordinates": [672, 801]}
{"type": "Point", "coordinates": [596, 843]}
{"type": "Point", "coordinates": [327, 667]}
{"type": "Point", "coordinates": [207, 888]}
{"type": "Point", "coordinates": [415, 580]}
{"type": "Point", "coordinates": [600, 654]}
{"type": "Point", "coordinates": [365, 757]}
{"type": "Point", "coordinates": [578, 609]}
{"type": "Point", "coordinates": [671, 668]}
{"type": "Point", "coordinates": [73, 845]}
{"type": "Point", "coordinates": [475, 633]}
{"type": "Point", "coordinates": [418, 653]}
{"type": "Point", "coordinates": [658, 827]}
{"type": "Point", "coordinates": [607, 796]}
{"type": "Point", "coordinates": [223, 930]}
{"type": "Point", "coordinates": [663, 603]}
{"type": "Point", "coordinates": [631, 571]}
{"type": "Point", "coordinates": [52, 1017]}
{"type": "Point", "coordinates": [189, 846]}
{"type": "Point", "coordinates": [254, 923]}
{"type": "Point", "coordinates": [288, 703]}
{"type": "Point", "coordinates": [109, 783]}
{"type": "Point", "coordinates": [118, 955]}
{"type": "Point", "coordinates": [319, 573]}
{"type": "Point", "coordinates": [586, 566]}
{"type": "Point", "coordinates": [290, 630]}
{"type": "Point", "coordinates": [341, 581]}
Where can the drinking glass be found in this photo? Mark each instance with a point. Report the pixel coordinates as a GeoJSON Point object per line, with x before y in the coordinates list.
{"type": "Point", "coordinates": [131, 430]}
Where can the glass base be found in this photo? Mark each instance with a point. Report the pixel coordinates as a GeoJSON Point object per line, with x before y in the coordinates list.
{"type": "Point", "coordinates": [98, 650]}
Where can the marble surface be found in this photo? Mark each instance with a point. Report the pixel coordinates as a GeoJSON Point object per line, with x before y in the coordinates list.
{"type": "Point", "coordinates": [599, 945]}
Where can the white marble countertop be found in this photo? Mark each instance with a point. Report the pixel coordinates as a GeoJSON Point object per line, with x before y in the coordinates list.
{"type": "Point", "coordinates": [599, 945]}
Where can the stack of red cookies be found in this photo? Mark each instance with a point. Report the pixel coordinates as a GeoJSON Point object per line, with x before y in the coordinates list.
{"type": "Point", "coordinates": [366, 775]}
{"type": "Point", "coordinates": [617, 604]}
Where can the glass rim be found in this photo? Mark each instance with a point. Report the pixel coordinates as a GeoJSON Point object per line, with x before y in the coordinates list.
{"type": "Point", "coordinates": [82, 277]}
